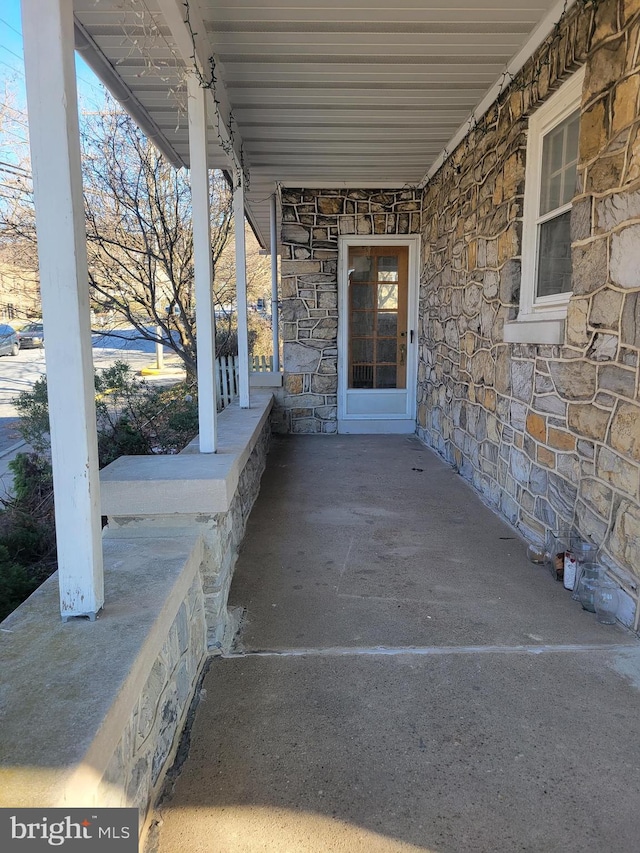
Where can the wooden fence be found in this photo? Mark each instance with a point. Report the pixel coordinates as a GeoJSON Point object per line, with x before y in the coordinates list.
{"type": "Point", "coordinates": [227, 375]}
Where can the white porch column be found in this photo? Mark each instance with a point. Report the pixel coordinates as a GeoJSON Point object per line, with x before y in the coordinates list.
{"type": "Point", "coordinates": [203, 269]}
{"type": "Point", "coordinates": [57, 180]}
{"type": "Point", "coordinates": [275, 317]}
{"type": "Point", "coordinates": [241, 294]}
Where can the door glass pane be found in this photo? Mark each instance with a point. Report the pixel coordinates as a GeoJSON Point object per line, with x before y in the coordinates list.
{"type": "Point", "coordinates": [362, 376]}
{"type": "Point", "coordinates": [386, 376]}
{"type": "Point", "coordinates": [362, 323]}
{"type": "Point", "coordinates": [362, 350]}
{"type": "Point", "coordinates": [362, 295]}
{"type": "Point", "coordinates": [554, 256]}
{"type": "Point", "coordinates": [387, 324]}
{"type": "Point", "coordinates": [362, 268]}
{"type": "Point", "coordinates": [388, 297]}
{"type": "Point", "coordinates": [377, 316]}
{"type": "Point", "coordinates": [386, 350]}
{"type": "Point", "coordinates": [388, 268]}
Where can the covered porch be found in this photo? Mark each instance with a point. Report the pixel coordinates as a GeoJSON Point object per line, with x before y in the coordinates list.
{"type": "Point", "coordinates": [404, 679]}
{"type": "Point", "coordinates": [392, 633]}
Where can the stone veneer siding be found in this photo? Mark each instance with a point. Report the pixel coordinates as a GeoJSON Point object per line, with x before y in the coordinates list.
{"type": "Point", "coordinates": [549, 435]}
{"type": "Point", "coordinates": [313, 220]}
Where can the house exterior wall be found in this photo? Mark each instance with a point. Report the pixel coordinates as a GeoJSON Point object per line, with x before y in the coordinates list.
{"type": "Point", "coordinates": [313, 220]}
{"type": "Point", "coordinates": [549, 435]}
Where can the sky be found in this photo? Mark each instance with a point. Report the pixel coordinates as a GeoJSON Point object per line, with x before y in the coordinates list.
{"type": "Point", "coordinates": [13, 101]}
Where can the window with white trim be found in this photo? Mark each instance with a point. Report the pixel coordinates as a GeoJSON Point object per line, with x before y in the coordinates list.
{"type": "Point", "coordinates": [550, 185]}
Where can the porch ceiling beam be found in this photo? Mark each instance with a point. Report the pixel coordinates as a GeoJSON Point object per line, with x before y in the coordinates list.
{"type": "Point", "coordinates": [194, 47]}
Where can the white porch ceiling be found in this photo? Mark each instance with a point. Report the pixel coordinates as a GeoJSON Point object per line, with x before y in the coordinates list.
{"type": "Point", "coordinates": [323, 92]}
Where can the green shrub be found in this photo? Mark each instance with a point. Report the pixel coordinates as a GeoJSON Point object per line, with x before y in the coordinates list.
{"type": "Point", "coordinates": [16, 583]}
{"type": "Point", "coordinates": [33, 408]}
{"type": "Point", "coordinates": [133, 419]}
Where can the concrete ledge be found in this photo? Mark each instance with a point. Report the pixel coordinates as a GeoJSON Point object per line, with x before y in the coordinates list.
{"type": "Point", "coordinates": [538, 330]}
{"type": "Point", "coordinates": [189, 482]}
{"type": "Point", "coordinates": [69, 691]}
{"type": "Point", "coordinates": [266, 379]}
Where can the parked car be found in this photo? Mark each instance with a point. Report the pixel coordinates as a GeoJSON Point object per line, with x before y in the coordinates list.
{"type": "Point", "coordinates": [32, 335]}
{"type": "Point", "coordinates": [9, 340]}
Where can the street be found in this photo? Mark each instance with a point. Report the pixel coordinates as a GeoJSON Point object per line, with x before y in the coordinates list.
{"type": "Point", "coordinates": [20, 372]}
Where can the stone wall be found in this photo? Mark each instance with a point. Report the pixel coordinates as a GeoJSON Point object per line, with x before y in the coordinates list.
{"type": "Point", "coordinates": [135, 772]}
{"type": "Point", "coordinates": [313, 220]}
{"type": "Point", "coordinates": [549, 435]}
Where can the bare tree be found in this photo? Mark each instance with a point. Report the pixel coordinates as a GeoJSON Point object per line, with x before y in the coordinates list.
{"type": "Point", "coordinates": [140, 240]}
{"type": "Point", "coordinates": [139, 236]}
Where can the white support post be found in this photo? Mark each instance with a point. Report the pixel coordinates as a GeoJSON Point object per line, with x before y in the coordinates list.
{"type": "Point", "coordinates": [203, 268]}
{"type": "Point", "coordinates": [57, 179]}
{"type": "Point", "coordinates": [241, 294]}
{"type": "Point", "coordinates": [274, 284]}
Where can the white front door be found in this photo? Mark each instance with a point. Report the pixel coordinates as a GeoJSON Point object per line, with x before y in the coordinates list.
{"type": "Point", "coordinates": [377, 335]}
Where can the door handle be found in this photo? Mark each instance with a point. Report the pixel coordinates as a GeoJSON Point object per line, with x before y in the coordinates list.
{"type": "Point", "coordinates": [403, 353]}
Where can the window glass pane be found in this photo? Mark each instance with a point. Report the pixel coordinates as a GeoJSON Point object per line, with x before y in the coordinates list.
{"type": "Point", "coordinates": [386, 350]}
{"type": "Point", "coordinates": [362, 295]}
{"type": "Point", "coordinates": [573, 132]}
{"type": "Point", "coordinates": [569, 188]}
{"type": "Point", "coordinates": [554, 256]}
{"type": "Point", "coordinates": [559, 159]}
{"type": "Point", "coordinates": [388, 268]}
{"type": "Point", "coordinates": [362, 323]}
{"type": "Point", "coordinates": [556, 146]}
{"type": "Point", "coordinates": [362, 350]}
{"type": "Point", "coordinates": [387, 296]}
{"type": "Point", "coordinates": [553, 188]}
{"type": "Point", "coordinates": [387, 324]}
{"type": "Point", "coordinates": [386, 376]}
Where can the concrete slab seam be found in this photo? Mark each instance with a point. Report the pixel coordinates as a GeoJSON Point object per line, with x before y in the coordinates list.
{"type": "Point", "coordinates": [432, 651]}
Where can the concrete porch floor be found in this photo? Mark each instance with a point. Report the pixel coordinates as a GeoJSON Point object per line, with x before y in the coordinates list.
{"type": "Point", "coordinates": [405, 679]}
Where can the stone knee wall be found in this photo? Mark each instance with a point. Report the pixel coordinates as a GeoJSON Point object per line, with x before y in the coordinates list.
{"type": "Point", "coordinates": [148, 741]}
{"type": "Point", "coordinates": [221, 534]}
{"type": "Point", "coordinates": [549, 435]}
{"type": "Point", "coordinates": [313, 220]}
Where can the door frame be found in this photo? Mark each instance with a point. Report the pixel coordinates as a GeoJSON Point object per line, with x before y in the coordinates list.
{"type": "Point", "coordinates": [405, 423]}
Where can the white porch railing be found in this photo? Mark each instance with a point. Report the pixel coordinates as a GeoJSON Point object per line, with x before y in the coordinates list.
{"type": "Point", "coordinates": [227, 371]}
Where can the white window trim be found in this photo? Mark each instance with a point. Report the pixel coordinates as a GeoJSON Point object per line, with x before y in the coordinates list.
{"type": "Point", "coordinates": [541, 320]}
